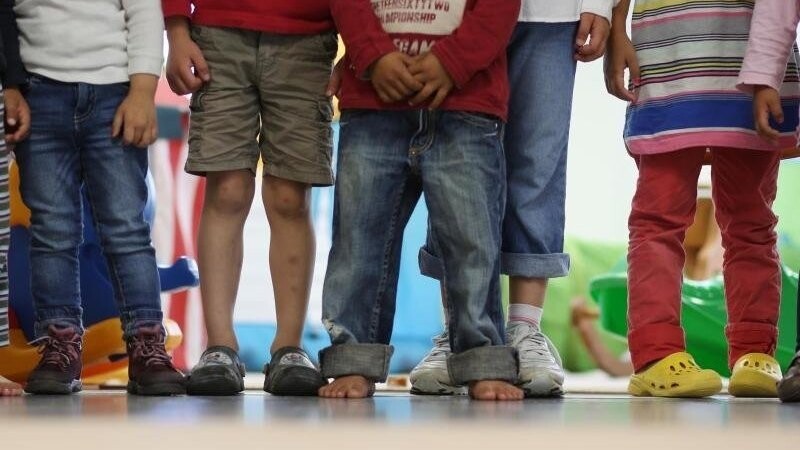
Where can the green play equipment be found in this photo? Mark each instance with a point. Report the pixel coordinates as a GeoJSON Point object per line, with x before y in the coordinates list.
{"type": "Point", "coordinates": [703, 316]}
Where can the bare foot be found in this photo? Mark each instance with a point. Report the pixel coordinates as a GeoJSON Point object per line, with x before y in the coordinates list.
{"type": "Point", "coordinates": [9, 389]}
{"type": "Point", "coordinates": [493, 390]}
{"type": "Point", "coordinates": [353, 386]}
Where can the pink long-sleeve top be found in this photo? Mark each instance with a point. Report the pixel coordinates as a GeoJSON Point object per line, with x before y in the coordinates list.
{"type": "Point", "coordinates": [773, 30]}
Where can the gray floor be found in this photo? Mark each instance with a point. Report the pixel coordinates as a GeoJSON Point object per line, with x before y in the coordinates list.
{"type": "Point", "coordinates": [399, 420]}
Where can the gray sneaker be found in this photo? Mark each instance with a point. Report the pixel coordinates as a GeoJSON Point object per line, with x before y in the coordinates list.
{"type": "Point", "coordinates": [291, 372]}
{"type": "Point", "coordinates": [219, 372]}
{"type": "Point", "coordinates": [541, 373]}
{"type": "Point", "coordinates": [431, 377]}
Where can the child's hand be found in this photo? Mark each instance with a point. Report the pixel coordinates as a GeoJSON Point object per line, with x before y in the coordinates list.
{"type": "Point", "coordinates": [18, 116]}
{"type": "Point", "coordinates": [766, 103]}
{"type": "Point", "coordinates": [595, 29]}
{"type": "Point", "coordinates": [135, 121]}
{"type": "Point", "coordinates": [187, 69]}
{"type": "Point", "coordinates": [335, 82]}
{"type": "Point", "coordinates": [429, 70]}
{"type": "Point", "coordinates": [391, 78]}
{"type": "Point", "coordinates": [620, 56]}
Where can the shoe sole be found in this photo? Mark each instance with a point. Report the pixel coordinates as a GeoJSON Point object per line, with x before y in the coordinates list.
{"type": "Point", "coordinates": [156, 390]}
{"type": "Point", "coordinates": [435, 387]}
{"type": "Point", "coordinates": [752, 383]}
{"type": "Point", "coordinates": [542, 389]}
{"type": "Point", "coordinates": [214, 385]}
{"type": "Point", "coordinates": [296, 382]}
{"type": "Point", "coordinates": [48, 387]}
{"type": "Point", "coordinates": [639, 388]}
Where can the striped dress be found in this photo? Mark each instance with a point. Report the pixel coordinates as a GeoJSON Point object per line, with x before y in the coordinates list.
{"type": "Point", "coordinates": [4, 230]}
{"type": "Point", "coordinates": [690, 53]}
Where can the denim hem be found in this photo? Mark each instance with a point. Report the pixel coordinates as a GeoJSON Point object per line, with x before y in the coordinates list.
{"type": "Point", "coordinates": [496, 362]}
{"type": "Point", "coordinates": [133, 320]}
{"type": "Point", "coordinates": [430, 265]}
{"type": "Point", "coordinates": [371, 361]}
{"type": "Point", "coordinates": [41, 326]}
{"type": "Point", "coordinates": [553, 265]}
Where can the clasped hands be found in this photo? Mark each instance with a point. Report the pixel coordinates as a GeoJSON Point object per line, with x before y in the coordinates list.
{"type": "Point", "coordinates": [419, 79]}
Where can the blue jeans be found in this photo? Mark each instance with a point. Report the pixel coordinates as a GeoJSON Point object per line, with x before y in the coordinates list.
{"type": "Point", "coordinates": [70, 145]}
{"type": "Point", "coordinates": [542, 76]}
{"type": "Point", "coordinates": [387, 160]}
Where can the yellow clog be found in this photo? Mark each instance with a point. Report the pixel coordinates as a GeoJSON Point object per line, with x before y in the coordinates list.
{"type": "Point", "coordinates": [677, 375]}
{"type": "Point", "coordinates": [755, 375]}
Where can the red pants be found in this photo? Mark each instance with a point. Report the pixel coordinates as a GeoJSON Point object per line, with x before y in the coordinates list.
{"type": "Point", "coordinates": [744, 185]}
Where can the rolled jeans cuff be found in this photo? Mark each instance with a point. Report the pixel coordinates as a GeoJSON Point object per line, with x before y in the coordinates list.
{"type": "Point", "coordinates": [553, 265]}
{"type": "Point", "coordinates": [140, 318]}
{"type": "Point", "coordinates": [430, 265]}
{"type": "Point", "coordinates": [496, 362]}
{"type": "Point", "coordinates": [61, 316]}
{"type": "Point", "coordinates": [370, 361]}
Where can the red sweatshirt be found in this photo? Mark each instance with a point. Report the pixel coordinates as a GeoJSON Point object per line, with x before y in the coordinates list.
{"type": "Point", "coordinates": [271, 16]}
{"type": "Point", "coordinates": [468, 36]}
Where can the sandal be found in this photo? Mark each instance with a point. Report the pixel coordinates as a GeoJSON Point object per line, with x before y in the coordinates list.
{"type": "Point", "coordinates": [755, 375]}
{"type": "Point", "coordinates": [677, 375]}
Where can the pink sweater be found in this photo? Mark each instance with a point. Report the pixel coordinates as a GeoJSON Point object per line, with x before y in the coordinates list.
{"type": "Point", "coordinates": [772, 33]}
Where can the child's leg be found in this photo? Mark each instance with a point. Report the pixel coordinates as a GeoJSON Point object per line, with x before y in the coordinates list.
{"type": "Point", "coordinates": [376, 191]}
{"type": "Point", "coordinates": [291, 255]}
{"type": "Point", "coordinates": [228, 197]}
{"type": "Point", "coordinates": [50, 186]}
{"type": "Point", "coordinates": [114, 175]}
{"type": "Point", "coordinates": [463, 171]}
{"type": "Point", "coordinates": [744, 188]}
{"type": "Point", "coordinates": [663, 208]}
{"type": "Point", "coordinates": [296, 148]}
{"type": "Point", "coordinates": [50, 182]}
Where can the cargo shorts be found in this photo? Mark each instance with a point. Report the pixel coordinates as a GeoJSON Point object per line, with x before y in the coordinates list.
{"type": "Point", "coordinates": [266, 99]}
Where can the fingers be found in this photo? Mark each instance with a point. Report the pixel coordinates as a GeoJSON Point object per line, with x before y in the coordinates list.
{"type": "Point", "coordinates": [584, 28]}
{"type": "Point", "coordinates": [775, 109]}
{"type": "Point", "coordinates": [201, 69]}
{"type": "Point", "coordinates": [23, 124]}
{"type": "Point", "coordinates": [441, 94]}
{"type": "Point", "coordinates": [116, 125]}
{"type": "Point", "coordinates": [423, 95]}
{"type": "Point", "coordinates": [763, 127]}
{"type": "Point", "coordinates": [335, 82]}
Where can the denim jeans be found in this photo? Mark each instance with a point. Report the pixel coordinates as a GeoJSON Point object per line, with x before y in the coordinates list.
{"type": "Point", "coordinates": [70, 145]}
{"type": "Point", "coordinates": [387, 159]}
{"type": "Point", "coordinates": [542, 75]}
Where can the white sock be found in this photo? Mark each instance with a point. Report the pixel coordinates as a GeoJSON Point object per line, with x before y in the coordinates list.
{"type": "Point", "coordinates": [519, 312]}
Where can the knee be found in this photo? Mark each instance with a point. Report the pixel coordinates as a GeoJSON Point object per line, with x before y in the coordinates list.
{"type": "Point", "coordinates": [286, 200]}
{"type": "Point", "coordinates": [230, 193]}
{"type": "Point", "coordinates": [51, 235]}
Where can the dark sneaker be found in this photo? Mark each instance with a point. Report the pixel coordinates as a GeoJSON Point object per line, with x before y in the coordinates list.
{"type": "Point", "coordinates": [59, 370]}
{"type": "Point", "coordinates": [219, 372]}
{"type": "Point", "coordinates": [150, 369]}
{"type": "Point", "coordinates": [789, 387]}
{"type": "Point", "coordinates": [291, 372]}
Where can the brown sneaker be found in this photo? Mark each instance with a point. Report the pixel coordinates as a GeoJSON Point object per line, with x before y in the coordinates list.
{"type": "Point", "coordinates": [150, 369]}
{"type": "Point", "coordinates": [59, 370]}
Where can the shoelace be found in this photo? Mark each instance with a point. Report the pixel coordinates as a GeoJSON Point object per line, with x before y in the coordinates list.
{"type": "Point", "coordinates": [59, 352]}
{"type": "Point", "coordinates": [533, 347]}
{"type": "Point", "coordinates": [151, 350]}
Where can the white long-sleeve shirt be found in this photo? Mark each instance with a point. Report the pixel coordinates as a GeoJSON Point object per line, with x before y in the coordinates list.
{"type": "Point", "coordinates": [563, 10]}
{"type": "Point", "coordinates": [91, 41]}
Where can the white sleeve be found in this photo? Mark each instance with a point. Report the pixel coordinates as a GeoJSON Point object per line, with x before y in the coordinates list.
{"type": "Point", "coordinates": [145, 26]}
{"type": "Point", "coordinates": [599, 7]}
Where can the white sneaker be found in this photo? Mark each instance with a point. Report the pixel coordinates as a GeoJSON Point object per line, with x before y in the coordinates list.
{"type": "Point", "coordinates": [431, 377]}
{"type": "Point", "coordinates": [540, 370]}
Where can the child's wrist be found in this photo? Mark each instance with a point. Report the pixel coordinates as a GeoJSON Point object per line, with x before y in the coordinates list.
{"type": "Point", "coordinates": [177, 27]}
{"type": "Point", "coordinates": [144, 85]}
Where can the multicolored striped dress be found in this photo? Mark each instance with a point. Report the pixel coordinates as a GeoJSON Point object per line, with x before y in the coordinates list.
{"type": "Point", "coordinates": [4, 227]}
{"type": "Point", "coordinates": [690, 53]}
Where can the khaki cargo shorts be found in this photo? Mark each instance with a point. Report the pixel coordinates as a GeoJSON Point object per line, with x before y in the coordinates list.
{"type": "Point", "coordinates": [266, 99]}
